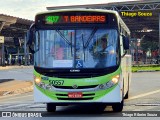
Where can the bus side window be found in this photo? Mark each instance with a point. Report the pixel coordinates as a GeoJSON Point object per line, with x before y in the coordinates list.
{"type": "Point", "coordinates": [121, 45]}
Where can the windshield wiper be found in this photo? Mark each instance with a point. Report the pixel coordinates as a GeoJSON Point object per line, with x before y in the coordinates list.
{"type": "Point", "coordinates": [83, 47]}
{"type": "Point", "coordinates": [71, 44]}
{"type": "Point", "coordinates": [90, 37]}
{"type": "Point", "coordinates": [67, 41]}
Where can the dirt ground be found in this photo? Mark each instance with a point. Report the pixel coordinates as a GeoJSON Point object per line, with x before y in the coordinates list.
{"type": "Point", "coordinates": [15, 87]}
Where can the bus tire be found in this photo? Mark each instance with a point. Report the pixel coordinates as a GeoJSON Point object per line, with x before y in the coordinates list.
{"type": "Point", "coordinates": [118, 107]}
{"type": "Point", "coordinates": [51, 107]}
{"type": "Point", "coordinates": [127, 94]}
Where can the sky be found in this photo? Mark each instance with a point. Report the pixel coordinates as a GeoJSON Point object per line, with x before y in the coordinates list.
{"type": "Point", "coordinates": [27, 9]}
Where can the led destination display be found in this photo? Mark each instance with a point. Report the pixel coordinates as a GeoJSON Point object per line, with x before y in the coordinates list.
{"type": "Point", "coordinates": [55, 19]}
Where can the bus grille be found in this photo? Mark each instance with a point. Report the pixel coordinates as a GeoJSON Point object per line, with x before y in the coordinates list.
{"type": "Point", "coordinates": [79, 87]}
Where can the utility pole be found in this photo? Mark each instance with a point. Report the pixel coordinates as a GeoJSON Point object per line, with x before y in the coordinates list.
{"type": "Point", "coordinates": [2, 23]}
{"type": "Point", "coordinates": [159, 37]}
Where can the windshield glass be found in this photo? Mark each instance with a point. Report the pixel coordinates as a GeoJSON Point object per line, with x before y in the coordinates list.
{"type": "Point", "coordinates": [76, 48]}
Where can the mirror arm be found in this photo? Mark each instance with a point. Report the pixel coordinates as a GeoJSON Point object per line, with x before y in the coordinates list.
{"type": "Point", "coordinates": [31, 38]}
{"type": "Point", "coordinates": [124, 53]}
{"type": "Point", "coordinates": [32, 51]}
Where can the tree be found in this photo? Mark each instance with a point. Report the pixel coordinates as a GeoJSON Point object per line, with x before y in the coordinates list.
{"type": "Point", "coordinates": [149, 45]}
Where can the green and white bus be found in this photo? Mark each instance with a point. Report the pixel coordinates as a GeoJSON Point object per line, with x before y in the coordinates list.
{"type": "Point", "coordinates": [81, 56]}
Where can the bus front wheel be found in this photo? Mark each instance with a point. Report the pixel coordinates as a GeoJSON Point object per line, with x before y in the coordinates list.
{"type": "Point", "coordinates": [51, 107]}
{"type": "Point", "coordinates": [118, 107]}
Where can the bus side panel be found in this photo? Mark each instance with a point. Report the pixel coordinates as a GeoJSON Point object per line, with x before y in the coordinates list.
{"type": "Point", "coordinates": [126, 72]}
{"type": "Point", "coordinates": [129, 68]}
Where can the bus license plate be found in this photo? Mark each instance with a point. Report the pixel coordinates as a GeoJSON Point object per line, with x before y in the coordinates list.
{"type": "Point", "coordinates": [75, 95]}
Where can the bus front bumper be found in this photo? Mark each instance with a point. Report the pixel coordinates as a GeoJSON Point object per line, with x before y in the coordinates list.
{"type": "Point", "coordinates": [113, 96]}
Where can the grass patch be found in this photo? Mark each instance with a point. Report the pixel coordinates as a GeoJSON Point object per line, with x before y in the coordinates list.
{"type": "Point", "coordinates": [145, 68]}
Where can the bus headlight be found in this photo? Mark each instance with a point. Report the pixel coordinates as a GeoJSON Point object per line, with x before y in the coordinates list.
{"type": "Point", "coordinates": [115, 79]}
{"type": "Point", "coordinates": [110, 83]}
{"type": "Point", "coordinates": [37, 80]}
{"type": "Point", "coordinates": [42, 85]}
{"type": "Point", "coordinates": [101, 86]}
{"type": "Point", "coordinates": [48, 87]}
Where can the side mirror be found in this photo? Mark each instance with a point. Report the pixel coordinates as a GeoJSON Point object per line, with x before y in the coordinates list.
{"type": "Point", "coordinates": [31, 34]}
{"type": "Point", "coordinates": [31, 38]}
{"type": "Point", "coordinates": [125, 42]}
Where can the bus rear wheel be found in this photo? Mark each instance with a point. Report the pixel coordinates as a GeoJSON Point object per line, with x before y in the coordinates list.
{"type": "Point", "coordinates": [51, 107]}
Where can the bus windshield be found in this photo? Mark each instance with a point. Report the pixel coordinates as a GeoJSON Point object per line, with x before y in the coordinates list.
{"type": "Point", "coordinates": [77, 48]}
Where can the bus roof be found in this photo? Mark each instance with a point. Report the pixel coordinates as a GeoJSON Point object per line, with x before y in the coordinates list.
{"type": "Point", "coordinates": [92, 10]}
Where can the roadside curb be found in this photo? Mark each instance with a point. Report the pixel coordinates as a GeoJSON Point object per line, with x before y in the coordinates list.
{"type": "Point", "coordinates": [5, 80]}
{"type": "Point", "coordinates": [147, 70]}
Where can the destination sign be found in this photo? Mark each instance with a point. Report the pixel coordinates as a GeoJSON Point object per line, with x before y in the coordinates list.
{"type": "Point", "coordinates": [56, 19]}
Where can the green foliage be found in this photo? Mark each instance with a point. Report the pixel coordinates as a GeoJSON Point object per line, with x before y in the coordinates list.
{"type": "Point", "coordinates": [146, 68]}
{"type": "Point", "coordinates": [147, 44]}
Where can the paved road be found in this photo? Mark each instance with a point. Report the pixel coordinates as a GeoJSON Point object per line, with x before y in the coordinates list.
{"type": "Point", "coordinates": [144, 96]}
{"type": "Point", "coordinates": [17, 74]}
